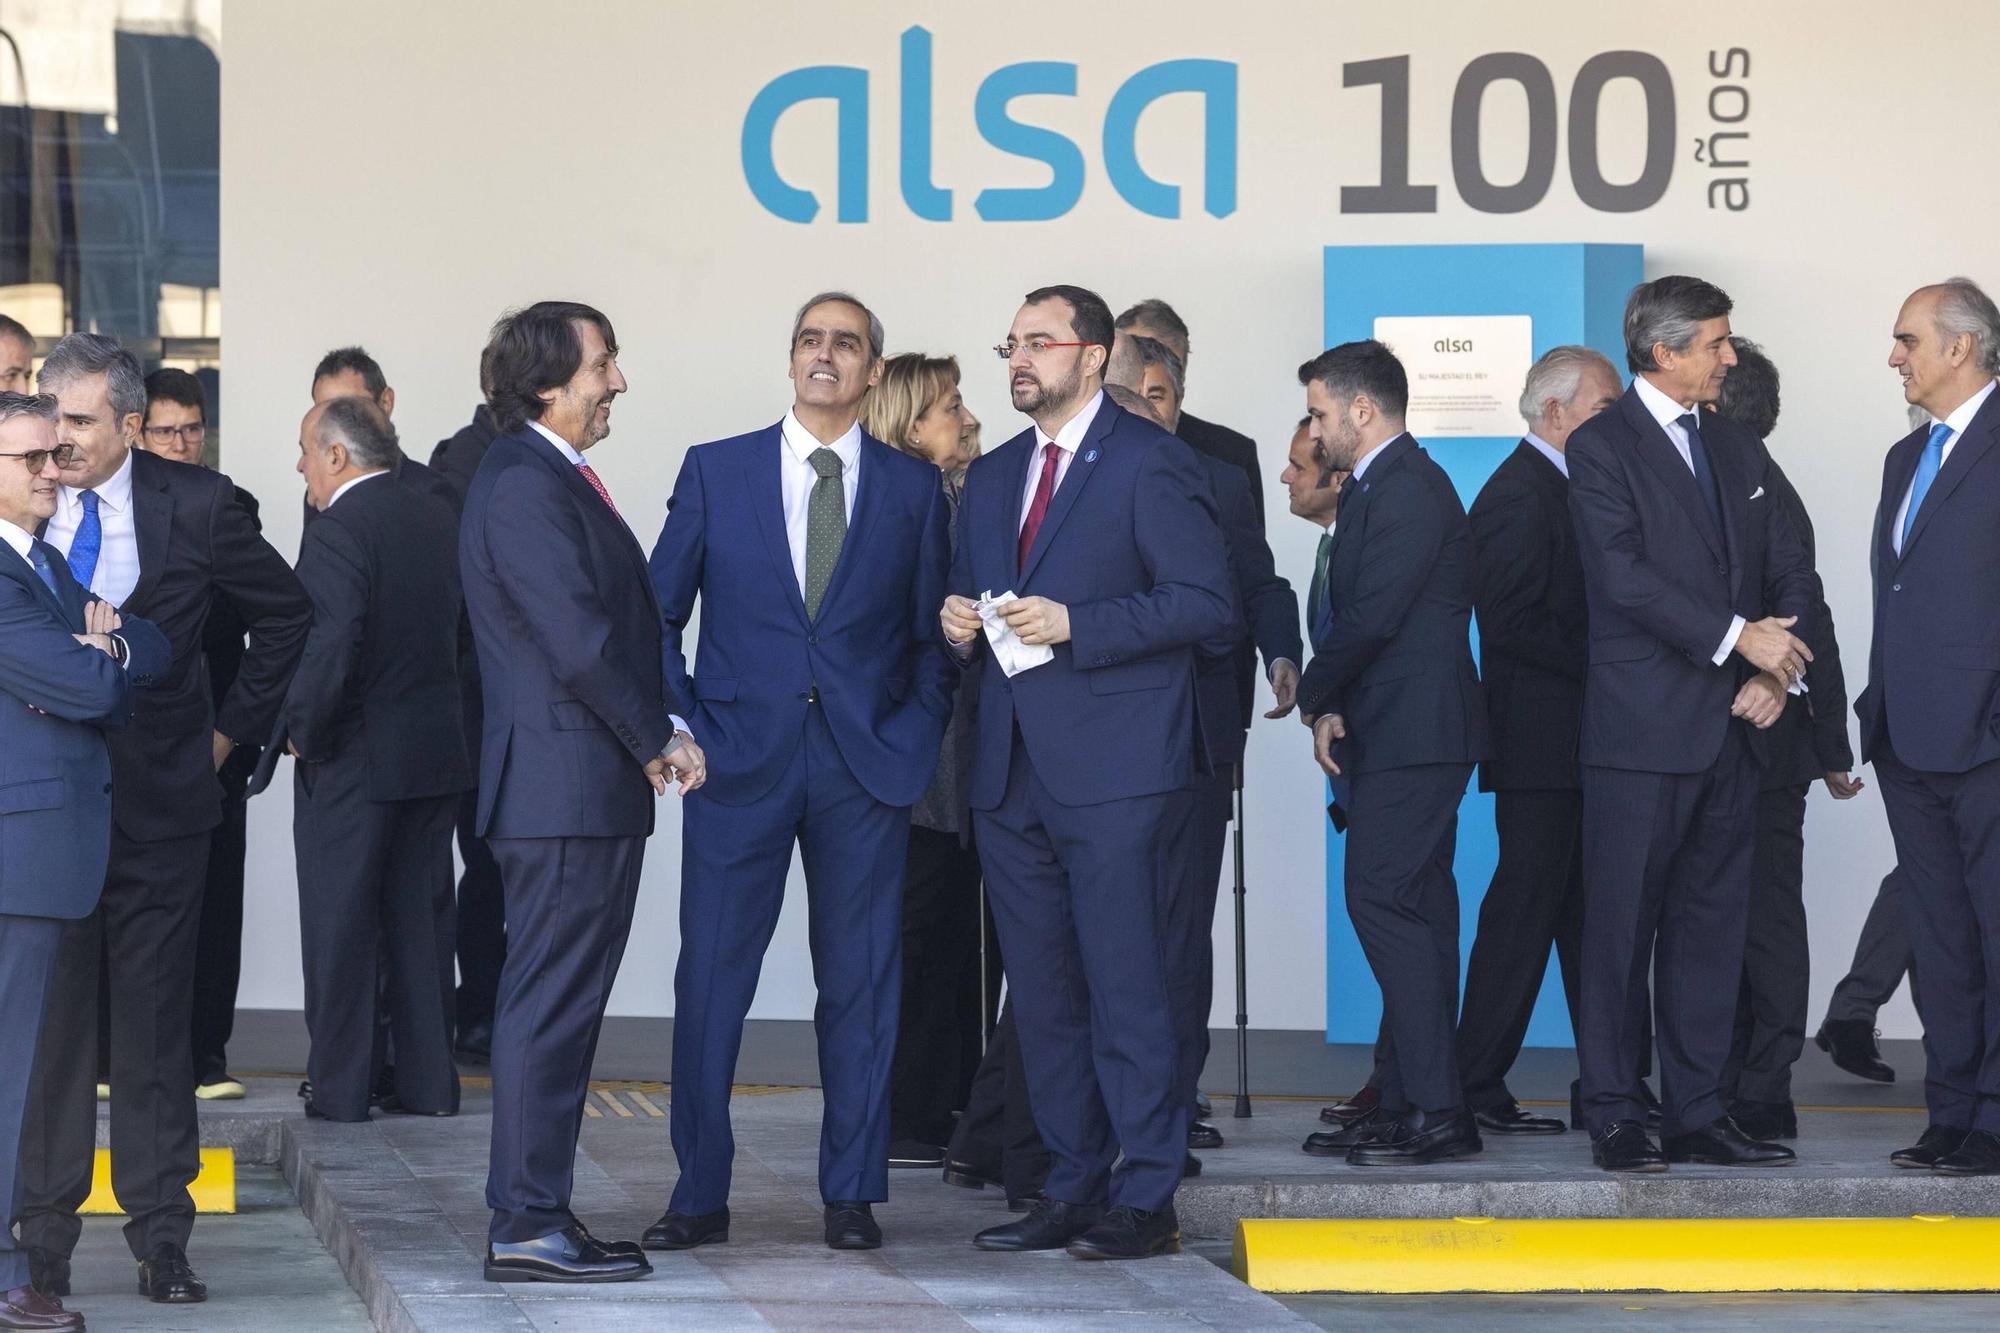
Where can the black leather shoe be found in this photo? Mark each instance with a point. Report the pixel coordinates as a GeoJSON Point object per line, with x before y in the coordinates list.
{"type": "Point", "coordinates": [166, 1279]}
{"type": "Point", "coordinates": [850, 1225]}
{"type": "Point", "coordinates": [313, 1112]}
{"type": "Point", "coordinates": [679, 1231]}
{"type": "Point", "coordinates": [1654, 1114]}
{"type": "Point", "coordinates": [1022, 1203]}
{"type": "Point", "coordinates": [1851, 1043]}
{"type": "Point", "coordinates": [913, 1154]}
{"type": "Point", "coordinates": [1509, 1118]}
{"type": "Point", "coordinates": [630, 1247]}
{"type": "Point", "coordinates": [1978, 1155]}
{"type": "Point", "coordinates": [393, 1105]}
{"type": "Point", "coordinates": [24, 1307]}
{"type": "Point", "coordinates": [1418, 1138]}
{"type": "Point", "coordinates": [1336, 1142]}
{"type": "Point", "coordinates": [1937, 1143]}
{"type": "Point", "coordinates": [1765, 1120]}
{"type": "Point", "coordinates": [1190, 1166]}
{"type": "Point", "coordinates": [1646, 1099]}
{"type": "Point", "coordinates": [1050, 1225]}
{"type": "Point", "coordinates": [1203, 1135]}
{"type": "Point", "coordinates": [569, 1255]}
{"type": "Point", "coordinates": [48, 1272]}
{"type": "Point", "coordinates": [1351, 1109]}
{"type": "Point", "coordinates": [1130, 1233]}
{"type": "Point", "coordinates": [1721, 1143]}
{"type": "Point", "coordinates": [1625, 1147]}
{"type": "Point", "coordinates": [475, 1044]}
{"type": "Point", "coordinates": [967, 1176]}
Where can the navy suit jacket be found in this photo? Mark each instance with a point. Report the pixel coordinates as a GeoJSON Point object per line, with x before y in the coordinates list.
{"type": "Point", "coordinates": [1131, 546]}
{"type": "Point", "coordinates": [568, 634]}
{"type": "Point", "coordinates": [1269, 610]}
{"type": "Point", "coordinates": [1933, 691]}
{"type": "Point", "coordinates": [884, 684]}
{"type": "Point", "coordinates": [1396, 659]}
{"type": "Point", "coordinates": [1662, 583]}
{"type": "Point", "coordinates": [57, 698]}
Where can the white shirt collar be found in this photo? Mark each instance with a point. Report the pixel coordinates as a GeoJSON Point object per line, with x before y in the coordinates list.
{"type": "Point", "coordinates": [1361, 463]}
{"type": "Point", "coordinates": [1072, 432]}
{"type": "Point", "coordinates": [115, 494]}
{"type": "Point", "coordinates": [1662, 408]}
{"type": "Point", "coordinates": [19, 538]}
{"type": "Point", "coordinates": [1962, 415]}
{"type": "Point", "coordinates": [802, 442]}
{"type": "Point", "coordinates": [351, 483]}
{"type": "Point", "coordinates": [1549, 451]}
{"type": "Point", "coordinates": [568, 450]}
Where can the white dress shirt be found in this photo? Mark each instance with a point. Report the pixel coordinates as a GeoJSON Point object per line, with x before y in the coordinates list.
{"type": "Point", "coordinates": [351, 483]}
{"type": "Point", "coordinates": [117, 572]}
{"type": "Point", "coordinates": [1960, 418]}
{"type": "Point", "coordinates": [20, 539]}
{"type": "Point", "coordinates": [1067, 438]}
{"type": "Point", "coordinates": [1668, 413]}
{"type": "Point", "coordinates": [1550, 452]}
{"type": "Point", "coordinates": [1361, 463]}
{"type": "Point", "coordinates": [797, 477]}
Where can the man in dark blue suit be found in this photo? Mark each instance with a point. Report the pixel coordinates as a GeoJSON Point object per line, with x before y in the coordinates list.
{"type": "Point", "coordinates": [1103, 528]}
{"type": "Point", "coordinates": [818, 555]}
{"type": "Point", "coordinates": [68, 665]}
{"type": "Point", "coordinates": [1694, 578]}
{"type": "Point", "coordinates": [1930, 717]}
{"type": "Point", "coordinates": [579, 737]}
{"type": "Point", "coordinates": [1391, 680]}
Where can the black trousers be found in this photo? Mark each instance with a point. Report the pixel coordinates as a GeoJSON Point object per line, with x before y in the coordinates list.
{"type": "Point", "coordinates": [997, 1136]}
{"type": "Point", "coordinates": [1770, 1031]}
{"type": "Point", "coordinates": [937, 1035]}
{"type": "Point", "coordinates": [482, 921]}
{"type": "Point", "coordinates": [1189, 919]}
{"type": "Point", "coordinates": [1881, 957]}
{"type": "Point", "coordinates": [146, 926]}
{"type": "Point", "coordinates": [1535, 901]}
{"type": "Point", "coordinates": [218, 958]}
{"type": "Point", "coordinates": [374, 886]}
{"type": "Point", "coordinates": [1666, 870]}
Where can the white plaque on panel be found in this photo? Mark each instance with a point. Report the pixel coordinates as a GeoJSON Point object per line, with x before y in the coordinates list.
{"type": "Point", "coordinates": [1466, 371]}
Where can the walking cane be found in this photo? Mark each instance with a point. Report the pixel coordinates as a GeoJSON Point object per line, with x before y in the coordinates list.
{"type": "Point", "coordinates": [1242, 1111]}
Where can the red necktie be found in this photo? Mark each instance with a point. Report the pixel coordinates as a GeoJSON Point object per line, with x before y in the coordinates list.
{"type": "Point", "coordinates": [598, 486]}
{"type": "Point", "coordinates": [1038, 508]}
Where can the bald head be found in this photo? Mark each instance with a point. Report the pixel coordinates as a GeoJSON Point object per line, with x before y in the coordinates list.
{"type": "Point", "coordinates": [343, 439]}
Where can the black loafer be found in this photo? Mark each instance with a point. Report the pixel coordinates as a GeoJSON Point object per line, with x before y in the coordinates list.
{"type": "Point", "coordinates": [1509, 1118]}
{"type": "Point", "coordinates": [569, 1255]}
{"type": "Point", "coordinates": [913, 1155]}
{"type": "Point", "coordinates": [48, 1272]}
{"type": "Point", "coordinates": [1336, 1142]}
{"type": "Point", "coordinates": [850, 1225]}
{"type": "Point", "coordinates": [1937, 1143]}
{"type": "Point", "coordinates": [967, 1176]}
{"type": "Point", "coordinates": [1765, 1120]}
{"type": "Point", "coordinates": [1978, 1155]}
{"type": "Point", "coordinates": [1203, 1135]}
{"type": "Point", "coordinates": [680, 1231]}
{"type": "Point", "coordinates": [1418, 1138]}
{"type": "Point", "coordinates": [1050, 1225]}
{"type": "Point", "coordinates": [1350, 1109]}
{"type": "Point", "coordinates": [1721, 1143]}
{"type": "Point", "coordinates": [166, 1279]}
{"type": "Point", "coordinates": [1851, 1043]}
{"type": "Point", "coordinates": [1130, 1233]}
{"type": "Point", "coordinates": [1624, 1147]}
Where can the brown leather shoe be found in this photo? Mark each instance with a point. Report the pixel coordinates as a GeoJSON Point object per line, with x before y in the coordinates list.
{"type": "Point", "coordinates": [24, 1307]}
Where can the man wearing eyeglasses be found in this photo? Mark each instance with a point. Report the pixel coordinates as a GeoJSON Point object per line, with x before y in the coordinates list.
{"type": "Point", "coordinates": [176, 417]}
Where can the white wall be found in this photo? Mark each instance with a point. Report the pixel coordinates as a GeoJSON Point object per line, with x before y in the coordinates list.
{"type": "Point", "coordinates": [397, 174]}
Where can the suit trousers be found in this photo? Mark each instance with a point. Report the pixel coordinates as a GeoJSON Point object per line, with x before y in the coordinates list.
{"type": "Point", "coordinates": [28, 946]}
{"type": "Point", "coordinates": [571, 902]}
{"type": "Point", "coordinates": [1666, 872]}
{"type": "Point", "coordinates": [1770, 1032]}
{"type": "Point", "coordinates": [1199, 841]}
{"type": "Point", "coordinates": [481, 921]}
{"type": "Point", "coordinates": [145, 928]}
{"type": "Point", "coordinates": [1881, 957]}
{"type": "Point", "coordinates": [997, 1136]}
{"type": "Point", "coordinates": [1535, 900]}
{"type": "Point", "coordinates": [218, 962]}
{"type": "Point", "coordinates": [734, 859]}
{"type": "Point", "coordinates": [1947, 831]}
{"type": "Point", "coordinates": [1077, 893]}
{"type": "Point", "coordinates": [1402, 832]}
{"type": "Point", "coordinates": [937, 1035]}
{"type": "Point", "coordinates": [374, 890]}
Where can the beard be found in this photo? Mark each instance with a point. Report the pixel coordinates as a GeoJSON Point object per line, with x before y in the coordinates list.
{"type": "Point", "coordinates": [1037, 396]}
{"type": "Point", "coordinates": [1341, 447]}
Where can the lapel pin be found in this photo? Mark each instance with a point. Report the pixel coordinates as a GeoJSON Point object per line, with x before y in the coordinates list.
{"type": "Point", "coordinates": [1090, 457]}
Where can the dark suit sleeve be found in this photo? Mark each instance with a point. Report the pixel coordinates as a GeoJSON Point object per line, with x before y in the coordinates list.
{"type": "Point", "coordinates": [1270, 609]}
{"type": "Point", "coordinates": [1512, 569]}
{"type": "Point", "coordinates": [1402, 535]}
{"type": "Point", "coordinates": [148, 655]}
{"type": "Point", "coordinates": [43, 666]}
{"type": "Point", "coordinates": [933, 676]}
{"type": "Point", "coordinates": [1826, 682]}
{"type": "Point", "coordinates": [266, 595]}
{"type": "Point", "coordinates": [1791, 587]}
{"type": "Point", "coordinates": [1181, 548]}
{"type": "Point", "coordinates": [676, 565]}
{"type": "Point", "coordinates": [959, 584]}
{"type": "Point", "coordinates": [1614, 554]}
{"type": "Point", "coordinates": [334, 571]}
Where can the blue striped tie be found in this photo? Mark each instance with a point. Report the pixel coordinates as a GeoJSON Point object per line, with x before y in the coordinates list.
{"type": "Point", "coordinates": [1928, 464]}
{"type": "Point", "coordinates": [89, 541]}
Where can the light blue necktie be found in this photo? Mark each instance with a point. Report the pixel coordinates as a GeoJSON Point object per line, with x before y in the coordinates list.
{"type": "Point", "coordinates": [89, 541]}
{"type": "Point", "coordinates": [1927, 469]}
{"type": "Point", "coordinates": [41, 564]}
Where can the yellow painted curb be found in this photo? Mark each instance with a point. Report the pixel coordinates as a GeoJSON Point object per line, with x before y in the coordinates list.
{"type": "Point", "coordinates": [1484, 1254]}
{"type": "Point", "coordinates": [214, 1190]}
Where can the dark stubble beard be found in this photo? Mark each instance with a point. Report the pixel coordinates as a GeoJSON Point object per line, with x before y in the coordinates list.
{"type": "Point", "coordinates": [1042, 396]}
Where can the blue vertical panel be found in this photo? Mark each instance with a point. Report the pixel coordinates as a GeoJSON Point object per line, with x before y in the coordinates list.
{"type": "Point", "coordinates": [1574, 294]}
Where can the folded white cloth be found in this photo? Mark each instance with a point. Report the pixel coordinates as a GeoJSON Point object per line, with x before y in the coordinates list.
{"type": "Point", "coordinates": [1013, 656]}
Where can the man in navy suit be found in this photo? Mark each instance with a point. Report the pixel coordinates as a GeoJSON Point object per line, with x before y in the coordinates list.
{"type": "Point", "coordinates": [1103, 527]}
{"type": "Point", "coordinates": [67, 669]}
{"type": "Point", "coordinates": [1694, 578]}
{"type": "Point", "coordinates": [1930, 717]}
{"type": "Point", "coordinates": [579, 735]}
{"type": "Point", "coordinates": [1391, 680]}
{"type": "Point", "coordinates": [818, 555]}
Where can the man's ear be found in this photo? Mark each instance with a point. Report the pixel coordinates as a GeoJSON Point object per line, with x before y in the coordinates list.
{"type": "Point", "coordinates": [387, 402]}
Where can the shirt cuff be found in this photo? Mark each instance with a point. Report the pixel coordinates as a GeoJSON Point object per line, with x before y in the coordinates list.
{"type": "Point", "coordinates": [1736, 624]}
{"type": "Point", "coordinates": [124, 654]}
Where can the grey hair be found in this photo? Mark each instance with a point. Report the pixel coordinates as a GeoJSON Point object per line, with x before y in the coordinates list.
{"type": "Point", "coordinates": [81, 354]}
{"type": "Point", "coordinates": [41, 405]}
{"type": "Point", "coordinates": [1153, 352]}
{"type": "Point", "coordinates": [1963, 308]}
{"type": "Point", "coordinates": [1558, 375]}
{"type": "Point", "coordinates": [1668, 312]}
{"type": "Point", "coordinates": [363, 427]}
{"type": "Point", "coordinates": [877, 340]}
{"type": "Point", "coordinates": [1158, 314]}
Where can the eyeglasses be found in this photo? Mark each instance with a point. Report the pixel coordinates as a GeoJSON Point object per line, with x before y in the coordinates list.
{"type": "Point", "coordinates": [66, 456]}
{"type": "Point", "coordinates": [1036, 347]}
{"type": "Point", "coordinates": [194, 433]}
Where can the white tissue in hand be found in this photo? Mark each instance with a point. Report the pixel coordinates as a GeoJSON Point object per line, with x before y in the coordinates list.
{"type": "Point", "coordinates": [1013, 656]}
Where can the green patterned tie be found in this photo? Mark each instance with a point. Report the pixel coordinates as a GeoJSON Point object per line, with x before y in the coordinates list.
{"type": "Point", "coordinates": [826, 526]}
{"type": "Point", "coordinates": [1316, 595]}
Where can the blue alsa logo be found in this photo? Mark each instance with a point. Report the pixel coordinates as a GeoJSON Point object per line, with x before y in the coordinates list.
{"type": "Point", "coordinates": [846, 86]}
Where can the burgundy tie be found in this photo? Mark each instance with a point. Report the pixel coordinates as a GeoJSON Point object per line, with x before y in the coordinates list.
{"type": "Point", "coordinates": [598, 486]}
{"type": "Point", "coordinates": [1038, 508]}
